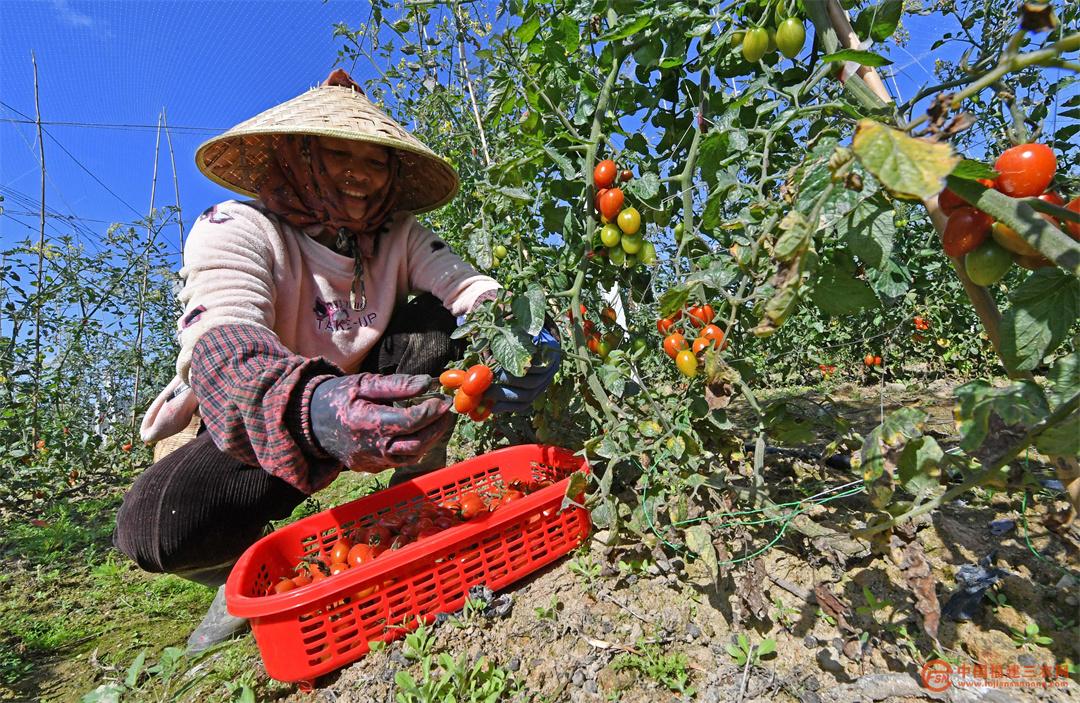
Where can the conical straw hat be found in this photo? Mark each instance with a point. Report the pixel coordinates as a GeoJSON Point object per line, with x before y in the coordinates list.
{"type": "Point", "coordinates": [238, 159]}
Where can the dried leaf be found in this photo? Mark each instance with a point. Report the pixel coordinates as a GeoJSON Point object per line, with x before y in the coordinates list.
{"type": "Point", "coordinates": [832, 605]}
{"type": "Point", "coordinates": [921, 581]}
{"type": "Point", "coordinates": [749, 589]}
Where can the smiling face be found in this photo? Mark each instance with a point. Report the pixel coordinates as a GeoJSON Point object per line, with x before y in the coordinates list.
{"type": "Point", "coordinates": [359, 169]}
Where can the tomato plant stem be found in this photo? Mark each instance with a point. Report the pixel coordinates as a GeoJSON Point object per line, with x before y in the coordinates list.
{"type": "Point", "coordinates": [979, 477]}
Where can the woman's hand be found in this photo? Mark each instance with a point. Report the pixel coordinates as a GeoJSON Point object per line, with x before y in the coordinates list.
{"type": "Point", "coordinates": [354, 419]}
{"type": "Point", "coordinates": [514, 394]}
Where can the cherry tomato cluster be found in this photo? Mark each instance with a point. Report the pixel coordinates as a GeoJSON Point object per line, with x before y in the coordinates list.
{"type": "Point", "coordinates": [621, 235]}
{"type": "Point", "coordinates": [921, 323]}
{"type": "Point", "coordinates": [394, 531]}
{"type": "Point", "coordinates": [826, 369]}
{"type": "Point", "coordinates": [468, 387]}
{"type": "Point", "coordinates": [789, 36]}
{"type": "Point", "coordinates": [704, 333]}
{"type": "Point", "coordinates": [990, 248]}
{"type": "Point", "coordinates": [871, 360]}
{"type": "Point", "coordinates": [498, 253]}
{"type": "Point", "coordinates": [604, 344]}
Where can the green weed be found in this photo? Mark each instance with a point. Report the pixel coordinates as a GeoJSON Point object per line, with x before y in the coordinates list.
{"type": "Point", "coordinates": [668, 670]}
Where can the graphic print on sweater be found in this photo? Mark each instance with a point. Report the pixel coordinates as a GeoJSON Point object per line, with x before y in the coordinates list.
{"type": "Point", "coordinates": [335, 315]}
{"type": "Point", "coordinates": [215, 217]}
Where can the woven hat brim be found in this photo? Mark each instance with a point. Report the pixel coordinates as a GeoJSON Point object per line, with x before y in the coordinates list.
{"type": "Point", "coordinates": [240, 158]}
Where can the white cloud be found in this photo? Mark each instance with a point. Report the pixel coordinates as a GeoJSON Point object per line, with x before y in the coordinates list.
{"type": "Point", "coordinates": [72, 16]}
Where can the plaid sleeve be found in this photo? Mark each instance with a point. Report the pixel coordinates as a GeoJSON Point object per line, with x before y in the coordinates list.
{"type": "Point", "coordinates": [253, 396]}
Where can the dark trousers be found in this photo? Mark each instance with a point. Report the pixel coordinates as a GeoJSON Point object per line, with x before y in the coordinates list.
{"type": "Point", "coordinates": [194, 512]}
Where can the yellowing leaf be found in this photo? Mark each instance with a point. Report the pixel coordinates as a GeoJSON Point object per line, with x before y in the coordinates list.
{"type": "Point", "coordinates": [908, 167]}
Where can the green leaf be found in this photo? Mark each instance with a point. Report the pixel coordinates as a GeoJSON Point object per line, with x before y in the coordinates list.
{"type": "Point", "coordinates": [870, 231]}
{"type": "Point", "coordinates": [527, 30]}
{"type": "Point", "coordinates": [133, 672]}
{"type": "Point", "coordinates": [479, 247]}
{"type": "Point", "coordinates": [878, 22]}
{"type": "Point", "coordinates": [1043, 308]}
{"type": "Point", "coordinates": [908, 167]}
{"type": "Point", "coordinates": [973, 170]}
{"type": "Point", "coordinates": [628, 29]}
{"type": "Point", "coordinates": [510, 351]}
{"type": "Point", "coordinates": [516, 194]}
{"type": "Point", "coordinates": [1062, 439]}
{"type": "Point", "coordinates": [644, 187]}
{"type": "Point", "coordinates": [863, 58]}
{"type": "Point", "coordinates": [767, 646]}
{"type": "Point", "coordinates": [836, 292]}
{"type": "Point", "coordinates": [796, 237]}
{"type": "Point", "coordinates": [529, 310]}
{"type": "Point", "coordinates": [920, 465]}
{"type": "Point", "coordinates": [1063, 380]}
{"type": "Point", "coordinates": [1018, 405]}
{"type": "Point", "coordinates": [673, 300]}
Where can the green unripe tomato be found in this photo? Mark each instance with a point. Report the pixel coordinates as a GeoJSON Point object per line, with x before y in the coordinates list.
{"type": "Point", "coordinates": [755, 44]}
{"type": "Point", "coordinates": [987, 263]}
{"type": "Point", "coordinates": [631, 261]}
{"type": "Point", "coordinates": [771, 33]}
{"type": "Point", "coordinates": [631, 243]}
{"type": "Point", "coordinates": [790, 37]}
{"type": "Point", "coordinates": [647, 255]}
{"type": "Point", "coordinates": [679, 229]}
{"type": "Point", "coordinates": [499, 251]}
{"type": "Point", "coordinates": [610, 235]}
{"type": "Point", "coordinates": [617, 256]}
{"type": "Point", "coordinates": [638, 345]}
{"type": "Point", "coordinates": [737, 39]}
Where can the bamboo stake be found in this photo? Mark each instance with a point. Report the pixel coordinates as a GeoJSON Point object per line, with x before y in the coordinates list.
{"type": "Point", "coordinates": [467, 80]}
{"type": "Point", "coordinates": [176, 185]}
{"type": "Point", "coordinates": [40, 266]}
{"type": "Point", "coordinates": [145, 276]}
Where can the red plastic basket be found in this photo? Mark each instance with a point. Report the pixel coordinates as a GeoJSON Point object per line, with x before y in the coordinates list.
{"type": "Point", "coordinates": [316, 629]}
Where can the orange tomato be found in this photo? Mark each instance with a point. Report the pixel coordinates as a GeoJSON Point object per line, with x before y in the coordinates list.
{"type": "Point", "coordinates": [452, 378]}
{"type": "Point", "coordinates": [674, 343]}
{"type": "Point", "coordinates": [604, 173]}
{"type": "Point", "coordinates": [464, 403]}
{"type": "Point", "coordinates": [611, 202]}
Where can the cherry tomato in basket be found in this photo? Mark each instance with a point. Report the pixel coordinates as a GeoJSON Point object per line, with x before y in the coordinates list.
{"type": "Point", "coordinates": [391, 522]}
{"type": "Point", "coordinates": [472, 505]}
{"type": "Point", "coordinates": [378, 537]}
{"type": "Point", "coordinates": [340, 552]}
{"type": "Point", "coordinates": [337, 567]}
{"type": "Point", "coordinates": [444, 522]}
{"type": "Point", "coordinates": [511, 496]}
{"type": "Point", "coordinates": [284, 585]}
{"type": "Point", "coordinates": [301, 580]}
{"type": "Point", "coordinates": [359, 554]}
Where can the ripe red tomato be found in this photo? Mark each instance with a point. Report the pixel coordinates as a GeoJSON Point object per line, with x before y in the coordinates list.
{"type": "Point", "coordinates": [599, 196]}
{"type": "Point", "coordinates": [284, 585]}
{"type": "Point", "coordinates": [700, 314]}
{"type": "Point", "coordinates": [949, 202]}
{"type": "Point", "coordinates": [663, 325]}
{"type": "Point", "coordinates": [1073, 228]}
{"type": "Point", "coordinates": [340, 552]}
{"type": "Point", "coordinates": [868, 360]}
{"type": "Point", "coordinates": [626, 175]}
{"type": "Point", "coordinates": [301, 580]}
{"type": "Point", "coordinates": [877, 361]}
{"type": "Point", "coordinates": [471, 505]}
{"type": "Point", "coordinates": [337, 567]}
{"type": "Point", "coordinates": [701, 343]}
{"type": "Point", "coordinates": [477, 380]}
{"type": "Point", "coordinates": [359, 554]}
{"type": "Point", "coordinates": [674, 343]}
{"type": "Point", "coordinates": [714, 332]}
{"type": "Point", "coordinates": [1025, 170]}
{"type": "Point", "coordinates": [604, 173]}
{"type": "Point", "coordinates": [465, 403]}
{"type": "Point", "coordinates": [452, 378]}
{"type": "Point", "coordinates": [687, 363]}
{"type": "Point", "coordinates": [593, 343]}
{"type": "Point", "coordinates": [481, 413]}
{"type": "Point", "coordinates": [967, 228]}
{"type": "Point", "coordinates": [608, 314]}
{"type": "Point", "coordinates": [611, 202]}
{"type": "Point", "coordinates": [1052, 198]}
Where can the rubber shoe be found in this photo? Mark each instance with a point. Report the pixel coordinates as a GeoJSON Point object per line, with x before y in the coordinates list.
{"type": "Point", "coordinates": [217, 626]}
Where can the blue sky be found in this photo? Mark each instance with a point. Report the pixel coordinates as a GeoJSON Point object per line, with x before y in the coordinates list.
{"type": "Point", "coordinates": [209, 63]}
